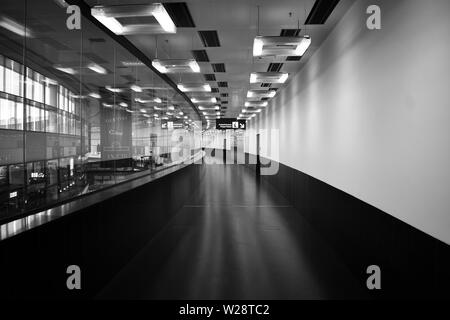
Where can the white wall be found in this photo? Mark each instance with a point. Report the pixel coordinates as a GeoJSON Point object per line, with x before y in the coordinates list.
{"type": "Point", "coordinates": [369, 113]}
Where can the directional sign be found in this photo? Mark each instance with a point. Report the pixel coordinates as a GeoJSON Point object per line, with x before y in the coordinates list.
{"type": "Point", "coordinates": [230, 123]}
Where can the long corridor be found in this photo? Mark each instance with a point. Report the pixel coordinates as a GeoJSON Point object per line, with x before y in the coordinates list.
{"type": "Point", "coordinates": [238, 238]}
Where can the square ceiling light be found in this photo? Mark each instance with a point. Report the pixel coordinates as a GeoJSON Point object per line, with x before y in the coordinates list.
{"type": "Point", "coordinates": [261, 94]}
{"type": "Point", "coordinates": [280, 46]}
{"type": "Point", "coordinates": [192, 87]}
{"type": "Point", "coordinates": [268, 77]}
{"type": "Point", "coordinates": [176, 65]}
{"type": "Point", "coordinates": [110, 17]}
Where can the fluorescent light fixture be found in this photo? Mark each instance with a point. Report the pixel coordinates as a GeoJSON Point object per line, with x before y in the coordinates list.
{"type": "Point", "coordinates": [113, 89]}
{"type": "Point", "coordinates": [261, 94]}
{"type": "Point", "coordinates": [110, 22]}
{"type": "Point", "coordinates": [171, 107]}
{"type": "Point", "coordinates": [143, 110]}
{"type": "Point", "coordinates": [96, 68]}
{"type": "Point", "coordinates": [176, 65]}
{"type": "Point", "coordinates": [180, 113]}
{"type": "Point", "coordinates": [268, 77]}
{"type": "Point", "coordinates": [257, 47]}
{"type": "Point", "coordinates": [190, 87]}
{"type": "Point", "coordinates": [303, 46]}
{"type": "Point", "coordinates": [136, 88]}
{"type": "Point", "coordinates": [217, 108]}
{"type": "Point", "coordinates": [14, 27]}
{"type": "Point", "coordinates": [256, 104]}
{"type": "Point", "coordinates": [157, 100]}
{"type": "Point", "coordinates": [161, 15]}
{"type": "Point", "coordinates": [200, 107]}
{"type": "Point", "coordinates": [280, 46]}
{"type": "Point", "coordinates": [94, 95]}
{"type": "Point", "coordinates": [123, 104]}
{"type": "Point", "coordinates": [133, 63]}
{"type": "Point", "coordinates": [66, 69]}
{"type": "Point", "coordinates": [194, 66]}
{"type": "Point", "coordinates": [107, 15]}
{"type": "Point", "coordinates": [78, 96]}
{"type": "Point", "coordinates": [158, 66]}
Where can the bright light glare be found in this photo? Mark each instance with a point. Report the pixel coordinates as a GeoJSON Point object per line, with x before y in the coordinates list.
{"type": "Point", "coordinates": [194, 66]}
{"type": "Point", "coordinates": [303, 46]}
{"type": "Point", "coordinates": [136, 88]}
{"type": "Point", "coordinates": [109, 22]}
{"type": "Point", "coordinates": [257, 47]}
{"type": "Point", "coordinates": [96, 68]}
{"type": "Point", "coordinates": [158, 66]}
{"type": "Point", "coordinates": [164, 19]}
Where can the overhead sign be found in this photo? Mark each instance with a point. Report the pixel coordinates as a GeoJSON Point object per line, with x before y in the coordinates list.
{"type": "Point", "coordinates": [230, 124]}
{"type": "Point", "coordinates": [171, 125]}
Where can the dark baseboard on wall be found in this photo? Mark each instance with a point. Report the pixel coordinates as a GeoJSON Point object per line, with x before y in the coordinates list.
{"type": "Point", "coordinates": [100, 239]}
{"type": "Point", "coordinates": [413, 264]}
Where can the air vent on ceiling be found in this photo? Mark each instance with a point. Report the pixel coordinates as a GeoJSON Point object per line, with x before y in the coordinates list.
{"type": "Point", "coordinates": [224, 95]}
{"type": "Point", "coordinates": [265, 85]}
{"type": "Point", "coordinates": [225, 102]}
{"type": "Point", "coordinates": [264, 99]}
{"type": "Point", "coordinates": [209, 38]}
{"type": "Point", "coordinates": [218, 67]}
{"type": "Point", "coordinates": [293, 58]}
{"type": "Point", "coordinates": [289, 32]}
{"type": "Point", "coordinates": [321, 11]}
{"type": "Point", "coordinates": [200, 55]}
{"type": "Point", "coordinates": [214, 89]}
{"type": "Point", "coordinates": [274, 67]}
{"type": "Point", "coordinates": [179, 12]}
{"type": "Point", "coordinates": [209, 77]}
{"type": "Point", "coordinates": [222, 84]}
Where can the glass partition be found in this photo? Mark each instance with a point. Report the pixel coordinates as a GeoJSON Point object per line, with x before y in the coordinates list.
{"type": "Point", "coordinates": [78, 112]}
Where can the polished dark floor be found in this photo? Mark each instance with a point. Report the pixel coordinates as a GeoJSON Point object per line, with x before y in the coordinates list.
{"type": "Point", "coordinates": [236, 239]}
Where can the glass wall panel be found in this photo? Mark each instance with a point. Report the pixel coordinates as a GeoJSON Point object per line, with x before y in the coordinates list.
{"type": "Point", "coordinates": [78, 112]}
